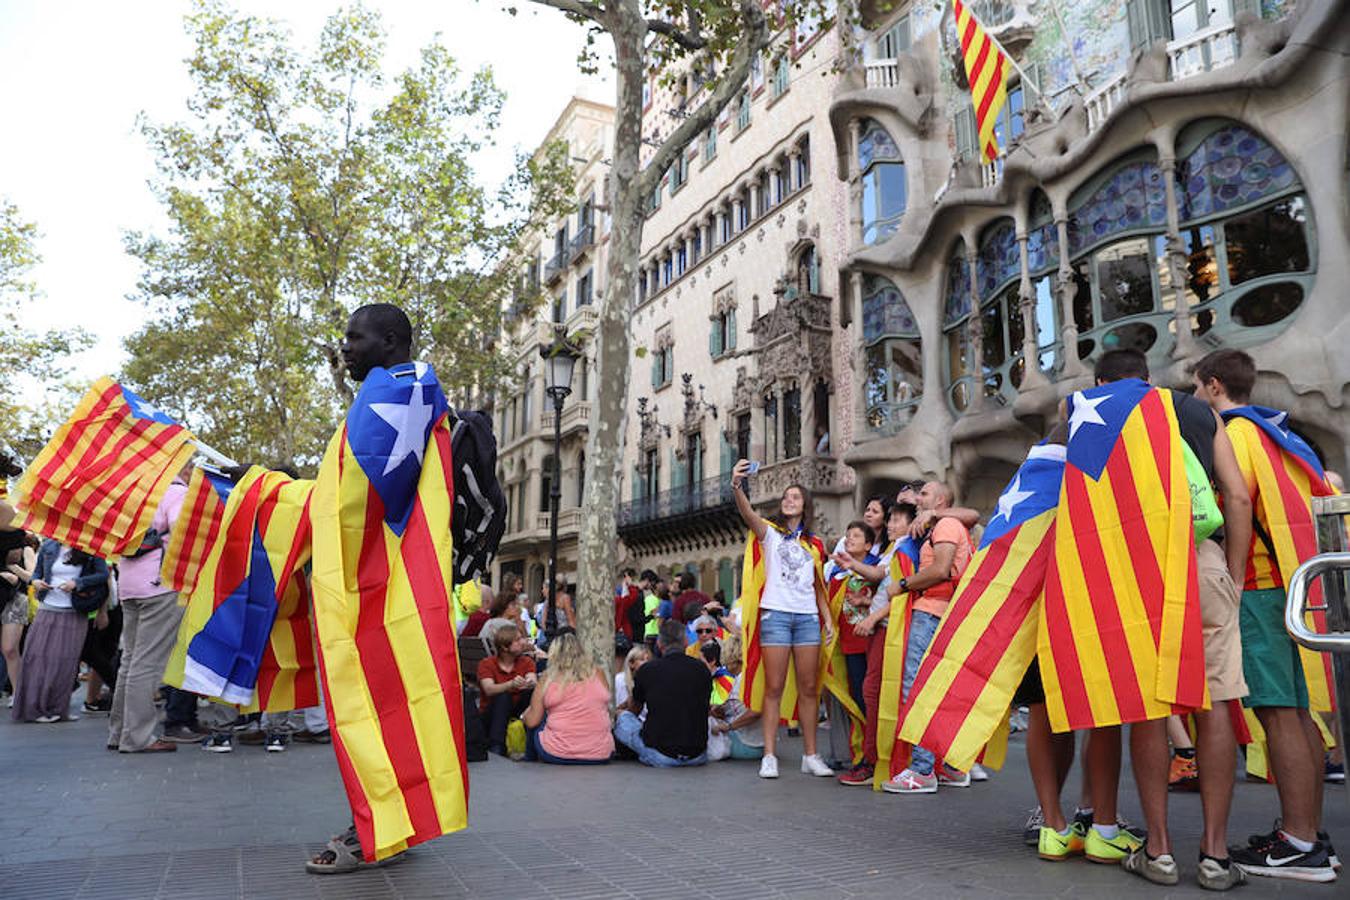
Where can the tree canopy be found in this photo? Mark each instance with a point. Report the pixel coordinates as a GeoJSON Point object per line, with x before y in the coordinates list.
{"type": "Point", "coordinates": [300, 186]}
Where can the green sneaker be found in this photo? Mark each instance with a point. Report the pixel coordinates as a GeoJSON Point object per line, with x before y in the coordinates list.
{"type": "Point", "coordinates": [1057, 847]}
{"type": "Point", "coordinates": [1111, 852]}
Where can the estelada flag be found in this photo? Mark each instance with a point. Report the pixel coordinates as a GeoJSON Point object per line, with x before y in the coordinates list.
{"type": "Point", "coordinates": [835, 680]}
{"type": "Point", "coordinates": [1120, 633]}
{"type": "Point", "coordinates": [892, 753]}
{"type": "Point", "coordinates": [721, 687]}
{"type": "Point", "coordinates": [381, 512]}
{"type": "Point", "coordinates": [98, 481]}
{"type": "Point", "coordinates": [987, 638]}
{"type": "Point", "coordinates": [752, 592]}
{"type": "Point", "coordinates": [245, 635]}
{"type": "Point", "coordinates": [1284, 474]}
{"type": "Point", "coordinates": [194, 532]}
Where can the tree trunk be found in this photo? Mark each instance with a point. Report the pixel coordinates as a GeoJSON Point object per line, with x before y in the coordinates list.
{"type": "Point", "coordinates": [604, 452]}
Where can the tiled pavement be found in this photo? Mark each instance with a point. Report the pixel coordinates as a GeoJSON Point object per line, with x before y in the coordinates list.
{"type": "Point", "coordinates": [79, 822]}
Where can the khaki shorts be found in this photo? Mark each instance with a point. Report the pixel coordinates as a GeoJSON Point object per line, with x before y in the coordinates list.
{"type": "Point", "coordinates": [1219, 602]}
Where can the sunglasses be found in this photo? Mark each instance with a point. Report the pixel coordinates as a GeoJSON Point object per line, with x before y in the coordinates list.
{"type": "Point", "coordinates": [705, 631]}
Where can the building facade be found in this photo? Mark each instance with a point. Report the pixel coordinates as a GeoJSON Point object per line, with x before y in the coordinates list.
{"type": "Point", "coordinates": [566, 265]}
{"type": "Point", "coordinates": [1172, 179]}
{"type": "Point", "coordinates": [739, 349]}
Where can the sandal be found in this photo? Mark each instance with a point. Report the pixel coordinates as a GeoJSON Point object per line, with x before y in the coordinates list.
{"type": "Point", "coordinates": [343, 855]}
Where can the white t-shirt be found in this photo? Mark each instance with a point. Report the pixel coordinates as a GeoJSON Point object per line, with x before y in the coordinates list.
{"type": "Point", "coordinates": [62, 572]}
{"type": "Point", "coordinates": [789, 574]}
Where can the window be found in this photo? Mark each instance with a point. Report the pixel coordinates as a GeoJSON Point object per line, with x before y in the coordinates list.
{"type": "Point", "coordinates": [681, 260]}
{"type": "Point", "coordinates": [722, 334]}
{"type": "Point", "coordinates": [646, 93]}
{"type": "Point", "coordinates": [895, 40]}
{"type": "Point", "coordinates": [743, 112]}
{"type": "Point", "coordinates": [642, 287]}
{"type": "Point", "coordinates": [656, 197]}
{"type": "Point", "coordinates": [770, 428]}
{"type": "Point", "coordinates": [726, 226]}
{"type": "Point", "coordinates": [792, 423]}
{"type": "Point", "coordinates": [780, 185]}
{"type": "Point", "coordinates": [663, 366]}
{"type": "Point", "coordinates": [765, 198]}
{"type": "Point", "coordinates": [653, 474]}
{"type": "Point", "coordinates": [808, 271]}
{"type": "Point", "coordinates": [743, 436]}
{"type": "Point", "coordinates": [696, 244]}
{"type": "Point", "coordinates": [520, 506]}
{"type": "Point", "coordinates": [584, 289]}
{"type": "Point", "coordinates": [693, 460]}
{"type": "Point", "coordinates": [893, 381]}
{"type": "Point", "coordinates": [667, 271]}
{"type": "Point", "coordinates": [1124, 274]}
{"type": "Point", "coordinates": [820, 406]}
{"type": "Point", "coordinates": [1189, 16]}
{"type": "Point", "coordinates": [679, 172]}
{"type": "Point", "coordinates": [546, 485]}
{"type": "Point", "coordinates": [710, 143]}
{"type": "Point", "coordinates": [559, 308]}
{"type": "Point", "coordinates": [782, 74]}
{"type": "Point", "coordinates": [884, 189]}
{"type": "Point", "coordinates": [804, 164]}
{"type": "Point", "coordinates": [1267, 241]}
{"type": "Point", "coordinates": [743, 211]}
{"type": "Point", "coordinates": [756, 73]}
{"type": "Point", "coordinates": [560, 244]}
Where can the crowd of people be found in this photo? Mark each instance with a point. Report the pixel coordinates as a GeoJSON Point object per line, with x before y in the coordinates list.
{"type": "Point", "coordinates": [699, 678]}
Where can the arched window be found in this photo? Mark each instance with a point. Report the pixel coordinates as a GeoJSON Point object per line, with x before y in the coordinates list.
{"type": "Point", "coordinates": [998, 271]}
{"type": "Point", "coordinates": [1244, 228]}
{"type": "Point", "coordinates": [884, 191]}
{"type": "Point", "coordinates": [956, 332]}
{"type": "Point", "coordinates": [808, 271]}
{"type": "Point", "coordinates": [894, 383]}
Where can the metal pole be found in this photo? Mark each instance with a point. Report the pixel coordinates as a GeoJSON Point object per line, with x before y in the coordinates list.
{"type": "Point", "coordinates": [555, 496]}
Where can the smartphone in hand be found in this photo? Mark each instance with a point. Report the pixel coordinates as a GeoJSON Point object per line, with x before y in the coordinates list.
{"type": "Point", "coordinates": [754, 467]}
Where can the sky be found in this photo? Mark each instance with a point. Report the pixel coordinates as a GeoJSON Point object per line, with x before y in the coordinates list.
{"type": "Point", "coordinates": [77, 74]}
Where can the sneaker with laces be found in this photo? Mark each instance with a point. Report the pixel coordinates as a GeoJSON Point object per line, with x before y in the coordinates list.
{"type": "Point", "coordinates": [1031, 831]}
{"type": "Point", "coordinates": [1218, 874]}
{"type": "Point", "coordinates": [1183, 774]}
{"type": "Point", "coordinates": [911, 782]}
{"type": "Point", "coordinates": [861, 774]}
{"type": "Point", "coordinates": [812, 764]}
{"type": "Point", "coordinates": [1056, 847]}
{"type": "Point", "coordinates": [182, 734]}
{"type": "Point", "coordinates": [1333, 773]}
{"type": "Point", "coordinates": [1110, 851]}
{"type": "Point", "coordinates": [220, 742]}
{"type": "Point", "coordinates": [276, 742]}
{"type": "Point", "coordinates": [101, 707]}
{"type": "Point", "coordinates": [1331, 851]}
{"type": "Point", "coordinates": [768, 766]}
{"type": "Point", "coordinates": [949, 777]}
{"type": "Point", "coordinates": [979, 773]}
{"type": "Point", "coordinates": [1157, 869]}
{"type": "Point", "coordinates": [1283, 860]}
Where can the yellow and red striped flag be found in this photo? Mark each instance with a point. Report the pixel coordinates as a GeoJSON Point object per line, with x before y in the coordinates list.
{"type": "Point", "coordinates": [194, 533]}
{"type": "Point", "coordinates": [892, 753]}
{"type": "Point", "coordinates": [1120, 634]}
{"type": "Point", "coordinates": [987, 72]}
{"type": "Point", "coordinates": [97, 483]}
{"type": "Point", "coordinates": [987, 638]}
{"type": "Point", "coordinates": [1284, 474]}
{"type": "Point", "coordinates": [835, 680]}
{"type": "Point", "coordinates": [381, 512]}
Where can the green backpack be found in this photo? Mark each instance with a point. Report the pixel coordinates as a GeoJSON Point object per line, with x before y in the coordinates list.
{"type": "Point", "coordinates": [1206, 517]}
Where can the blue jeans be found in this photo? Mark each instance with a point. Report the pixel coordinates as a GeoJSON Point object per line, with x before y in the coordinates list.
{"type": "Point", "coordinates": [788, 629]}
{"type": "Point", "coordinates": [922, 627]}
{"type": "Point", "coordinates": [535, 752]}
{"type": "Point", "coordinates": [628, 731]}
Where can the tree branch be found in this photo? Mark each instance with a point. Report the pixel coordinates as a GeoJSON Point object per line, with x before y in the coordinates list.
{"type": "Point", "coordinates": [580, 8]}
{"type": "Point", "coordinates": [687, 40]}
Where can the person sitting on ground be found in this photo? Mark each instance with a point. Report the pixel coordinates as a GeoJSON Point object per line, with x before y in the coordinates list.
{"type": "Point", "coordinates": [623, 679]}
{"type": "Point", "coordinates": [733, 717]}
{"type": "Point", "coordinates": [480, 616]}
{"type": "Point", "coordinates": [506, 680]}
{"type": "Point", "coordinates": [676, 692]}
{"type": "Point", "coordinates": [504, 610]}
{"type": "Point", "coordinates": [702, 631]}
{"type": "Point", "coordinates": [568, 719]}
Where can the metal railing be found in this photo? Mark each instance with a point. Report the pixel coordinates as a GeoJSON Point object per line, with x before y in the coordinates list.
{"type": "Point", "coordinates": [584, 239]}
{"type": "Point", "coordinates": [710, 493]}
{"type": "Point", "coordinates": [555, 266]}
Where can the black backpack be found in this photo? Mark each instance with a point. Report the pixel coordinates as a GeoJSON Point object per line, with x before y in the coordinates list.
{"type": "Point", "coordinates": [479, 519]}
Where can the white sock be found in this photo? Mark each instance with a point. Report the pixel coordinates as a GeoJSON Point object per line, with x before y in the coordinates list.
{"type": "Point", "coordinates": [1107, 831]}
{"type": "Point", "coordinates": [1301, 846]}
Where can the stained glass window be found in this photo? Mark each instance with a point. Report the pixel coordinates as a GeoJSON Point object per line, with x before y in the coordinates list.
{"type": "Point", "coordinates": [1132, 198]}
{"type": "Point", "coordinates": [885, 312]}
{"type": "Point", "coordinates": [999, 259]}
{"type": "Point", "coordinates": [875, 143]}
{"type": "Point", "coordinates": [1232, 167]}
{"type": "Point", "coordinates": [1042, 236]}
{"type": "Point", "coordinates": [958, 290]}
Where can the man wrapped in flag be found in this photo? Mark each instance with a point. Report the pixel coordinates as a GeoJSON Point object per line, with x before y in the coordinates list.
{"type": "Point", "coordinates": [1282, 474]}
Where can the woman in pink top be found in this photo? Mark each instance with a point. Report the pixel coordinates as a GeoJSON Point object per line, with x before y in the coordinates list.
{"type": "Point", "coordinates": [568, 718]}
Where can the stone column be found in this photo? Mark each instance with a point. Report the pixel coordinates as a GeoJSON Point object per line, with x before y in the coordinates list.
{"type": "Point", "coordinates": [774, 172]}
{"type": "Point", "coordinates": [792, 183]}
{"type": "Point", "coordinates": [1176, 259]}
{"type": "Point", "coordinates": [1032, 376]}
{"type": "Point", "coordinates": [1068, 329]}
{"type": "Point", "coordinates": [754, 197]}
{"type": "Point", "coordinates": [855, 211]}
{"type": "Point", "coordinates": [975, 332]}
{"type": "Point", "coordinates": [736, 205]}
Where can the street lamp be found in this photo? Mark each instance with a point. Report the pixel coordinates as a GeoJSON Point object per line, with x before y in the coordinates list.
{"type": "Point", "coordinates": [559, 359]}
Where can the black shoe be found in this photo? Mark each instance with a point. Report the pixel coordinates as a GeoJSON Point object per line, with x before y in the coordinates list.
{"type": "Point", "coordinates": [276, 742]}
{"type": "Point", "coordinates": [1265, 840]}
{"type": "Point", "coordinates": [182, 734]}
{"type": "Point", "coordinates": [104, 705]}
{"type": "Point", "coordinates": [1283, 860]}
{"type": "Point", "coordinates": [314, 737]}
{"type": "Point", "coordinates": [218, 743]}
{"type": "Point", "coordinates": [1335, 860]}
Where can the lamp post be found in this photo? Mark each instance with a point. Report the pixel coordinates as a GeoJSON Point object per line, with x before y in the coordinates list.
{"type": "Point", "coordinates": [559, 359]}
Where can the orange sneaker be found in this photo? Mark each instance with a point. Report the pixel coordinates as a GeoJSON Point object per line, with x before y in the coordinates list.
{"type": "Point", "coordinates": [1183, 775]}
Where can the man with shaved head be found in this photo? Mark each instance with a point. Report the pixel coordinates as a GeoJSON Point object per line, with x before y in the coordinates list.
{"type": "Point", "coordinates": [943, 557]}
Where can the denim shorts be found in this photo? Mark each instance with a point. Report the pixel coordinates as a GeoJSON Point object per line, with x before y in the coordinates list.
{"type": "Point", "coordinates": [788, 629]}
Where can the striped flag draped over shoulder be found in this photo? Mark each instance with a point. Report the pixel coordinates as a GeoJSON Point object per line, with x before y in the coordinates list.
{"type": "Point", "coordinates": [1287, 475]}
{"type": "Point", "coordinates": [835, 680]}
{"type": "Point", "coordinates": [987, 71]}
{"type": "Point", "coordinates": [194, 533]}
{"type": "Point", "coordinates": [893, 753]}
{"type": "Point", "coordinates": [1120, 626]}
{"type": "Point", "coordinates": [98, 481]}
{"type": "Point", "coordinates": [381, 512]}
{"type": "Point", "coordinates": [987, 638]}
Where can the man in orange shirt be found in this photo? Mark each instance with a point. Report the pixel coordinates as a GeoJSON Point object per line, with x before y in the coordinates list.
{"type": "Point", "coordinates": [943, 557]}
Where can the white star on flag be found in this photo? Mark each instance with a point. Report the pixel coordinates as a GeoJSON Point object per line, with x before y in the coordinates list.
{"type": "Point", "coordinates": [146, 410]}
{"type": "Point", "coordinates": [1013, 496]}
{"type": "Point", "coordinates": [1277, 421]}
{"type": "Point", "coordinates": [1085, 412]}
{"type": "Point", "coordinates": [410, 421]}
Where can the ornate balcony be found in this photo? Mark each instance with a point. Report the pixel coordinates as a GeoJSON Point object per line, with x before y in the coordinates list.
{"type": "Point", "coordinates": [881, 73]}
{"type": "Point", "coordinates": [576, 416]}
{"type": "Point", "coordinates": [581, 243]}
{"type": "Point", "coordinates": [683, 514]}
{"type": "Point", "coordinates": [1206, 50]}
{"type": "Point", "coordinates": [554, 268]}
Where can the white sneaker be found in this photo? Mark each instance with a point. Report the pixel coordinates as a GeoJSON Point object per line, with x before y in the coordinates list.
{"type": "Point", "coordinates": [768, 766]}
{"type": "Point", "coordinates": [979, 773]}
{"type": "Point", "coordinates": [9, 704]}
{"type": "Point", "coordinates": [812, 764]}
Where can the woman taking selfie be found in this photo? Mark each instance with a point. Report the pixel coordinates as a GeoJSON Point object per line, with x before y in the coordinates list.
{"type": "Point", "coordinates": [784, 616]}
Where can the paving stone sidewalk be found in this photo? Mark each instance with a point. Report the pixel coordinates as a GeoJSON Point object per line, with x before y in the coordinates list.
{"type": "Point", "coordinates": [79, 822]}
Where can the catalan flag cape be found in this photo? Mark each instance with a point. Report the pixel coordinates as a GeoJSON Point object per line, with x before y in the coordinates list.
{"type": "Point", "coordinates": [98, 481]}
{"type": "Point", "coordinates": [194, 533]}
{"type": "Point", "coordinates": [988, 637]}
{"type": "Point", "coordinates": [835, 679]}
{"type": "Point", "coordinates": [987, 71]}
{"type": "Point", "coordinates": [722, 685]}
{"type": "Point", "coordinates": [381, 514]}
{"type": "Point", "coordinates": [1120, 637]}
{"type": "Point", "coordinates": [1286, 475]}
{"type": "Point", "coordinates": [893, 753]}
{"type": "Point", "coordinates": [245, 635]}
{"type": "Point", "coordinates": [752, 592]}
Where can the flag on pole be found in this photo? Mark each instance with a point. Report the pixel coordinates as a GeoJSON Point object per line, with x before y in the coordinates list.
{"type": "Point", "coordinates": [980, 652]}
{"type": "Point", "coordinates": [1284, 475]}
{"type": "Point", "coordinates": [381, 512]}
{"type": "Point", "coordinates": [1120, 635]}
{"type": "Point", "coordinates": [987, 71]}
{"type": "Point", "coordinates": [194, 533]}
{"type": "Point", "coordinates": [97, 483]}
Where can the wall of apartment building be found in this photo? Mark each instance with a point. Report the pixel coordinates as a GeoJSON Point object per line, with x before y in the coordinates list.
{"type": "Point", "coordinates": [1195, 172]}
